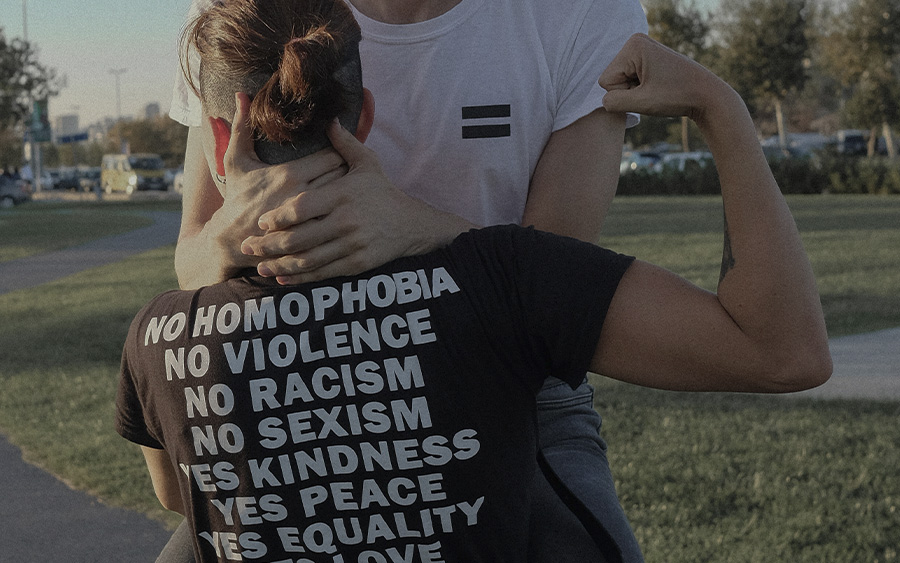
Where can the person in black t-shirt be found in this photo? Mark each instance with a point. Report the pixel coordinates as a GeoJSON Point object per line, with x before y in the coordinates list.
{"type": "Point", "coordinates": [390, 416]}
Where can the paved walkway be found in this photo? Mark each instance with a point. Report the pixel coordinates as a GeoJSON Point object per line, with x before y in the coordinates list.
{"type": "Point", "coordinates": [866, 366]}
{"type": "Point", "coordinates": [43, 520]}
{"type": "Point", "coordinates": [42, 268]}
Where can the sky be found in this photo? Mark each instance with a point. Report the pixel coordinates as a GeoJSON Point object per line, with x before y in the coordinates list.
{"type": "Point", "coordinates": [83, 40]}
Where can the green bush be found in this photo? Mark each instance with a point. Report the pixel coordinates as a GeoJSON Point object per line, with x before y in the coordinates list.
{"type": "Point", "coordinates": [691, 181]}
{"type": "Point", "coordinates": [822, 173]}
{"type": "Point", "coordinates": [798, 175]}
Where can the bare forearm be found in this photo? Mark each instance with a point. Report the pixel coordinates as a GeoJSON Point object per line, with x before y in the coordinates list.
{"type": "Point", "coordinates": [200, 260]}
{"type": "Point", "coordinates": [767, 283]}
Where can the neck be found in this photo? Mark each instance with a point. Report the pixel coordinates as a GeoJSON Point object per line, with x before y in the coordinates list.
{"type": "Point", "coordinates": [403, 11]}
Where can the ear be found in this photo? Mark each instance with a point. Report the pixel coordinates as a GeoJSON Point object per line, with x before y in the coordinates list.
{"type": "Point", "coordinates": [366, 116]}
{"type": "Point", "coordinates": [222, 135]}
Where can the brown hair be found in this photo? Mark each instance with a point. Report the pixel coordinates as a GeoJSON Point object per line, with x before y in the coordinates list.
{"type": "Point", "coordinates": [297, 59]}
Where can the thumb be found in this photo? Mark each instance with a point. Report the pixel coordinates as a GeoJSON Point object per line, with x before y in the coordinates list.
{"type": "Point", "coordinates": [347, 145]}
{"type": "Point", "coordinates": [240, 150]}
{"type": "Point", "coordinates": [621, 101]}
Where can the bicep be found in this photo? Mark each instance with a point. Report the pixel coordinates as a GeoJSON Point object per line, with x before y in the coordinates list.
{"type": "Point", "coordinates": [164, 478]}
{"type": "Point", "coordinates": [576, 177]}
{"type": "Point", "coordinates": [664, 332]}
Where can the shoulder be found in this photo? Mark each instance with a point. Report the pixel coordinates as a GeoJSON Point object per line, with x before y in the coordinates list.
{"type": "Point", "coordinates": [584, 34]}
{"type": "Point", "coordinates": [565, 17]}
{"type": "Point", "coordinates": [157, 313]}
{"type": "Point", "coordinates": [529, 250]}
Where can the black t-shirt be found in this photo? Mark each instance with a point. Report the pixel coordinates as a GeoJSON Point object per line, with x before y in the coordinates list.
{"type": "Point", "coordinates": [379, 418]}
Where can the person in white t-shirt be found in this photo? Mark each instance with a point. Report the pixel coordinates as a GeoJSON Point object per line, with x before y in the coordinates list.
{"type": "Point", "coordinates": [489, 113]}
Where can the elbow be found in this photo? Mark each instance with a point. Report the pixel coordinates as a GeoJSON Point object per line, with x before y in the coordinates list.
{"type": "Point", "coordinates": [803, 368]}
{"type": "Point", "coordinates": [172, 502]}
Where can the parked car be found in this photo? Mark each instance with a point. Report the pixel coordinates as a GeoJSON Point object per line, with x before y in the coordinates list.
{"type": "Point", "coordinates": [637, 160]}
{"type": "Point", "coordinates": [130, 173]}
{"type": "Point", "coordinates": [68, 179]}
{"type": "Point", "coordinates": [178, 182]}
{"type": "Point", "coordinates": [89, 179]}
{"type": "Point", "coordinates": [682, 161]}
{"type": "Point", "coordinates": [852, 142]}
{"type": "Point", "coordinates": [12, 192]}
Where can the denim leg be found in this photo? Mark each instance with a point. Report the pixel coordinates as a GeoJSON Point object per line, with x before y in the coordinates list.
{"type": "Point", "coordinates": [575, 455]}
{"type": "Point", "coordinates": [180, 548]}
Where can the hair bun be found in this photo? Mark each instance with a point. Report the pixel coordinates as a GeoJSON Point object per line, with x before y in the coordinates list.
{"type": "Point", "coordinates": [308, 60]}
{"type": "Point", "coordinates": [303, 86]}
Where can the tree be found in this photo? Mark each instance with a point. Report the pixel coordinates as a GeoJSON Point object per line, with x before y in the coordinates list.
{"type": "Point", "coordinates": [22, 78]}
{"type": "Point", "coordinates": [10, 149]}
{"type": "Point", "coordinates": [683, 28]}
{"type": "Point", "coordinates": [863, 51]}
{"type": "Point", "coordinates": [159, 135]}
{"type": "Point", "coordinates": [765, 51]}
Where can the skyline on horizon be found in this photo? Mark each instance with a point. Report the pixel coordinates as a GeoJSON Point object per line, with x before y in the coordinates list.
{"type": "Point", "coordinates": [86, 41]}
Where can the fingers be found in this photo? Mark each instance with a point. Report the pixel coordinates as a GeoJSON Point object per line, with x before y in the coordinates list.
{"type": "Point", "coordinates": [240, 154]}
{"type": "Point", "coordinates": [346, 266]}
{"type": "Point", "coordinates": [300, 209]}
{"type": "Point", "coordinates": [623, 77]}
{"type": "Point", "coordinates": [309, 168]}
{"type": "Point", "coordinates": [334, 258]}
{"type": "Point", "coordinates": [649, 78]}
{"type": "Point", "coordinates": [297, 239]}
{"type": "Point", "coordinates": [349, 147]}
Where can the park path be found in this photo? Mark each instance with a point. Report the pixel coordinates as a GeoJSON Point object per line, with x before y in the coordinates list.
{"type": "Point", "coordinates": [43, 520]}
{"type": "Point", "coordinates": [866, 366]}
{"type": "Point", "coordinates": [35, 270]}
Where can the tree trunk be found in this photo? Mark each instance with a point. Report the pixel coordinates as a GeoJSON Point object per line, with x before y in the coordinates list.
{"type": "Point", "coordinates": [685, 134]}
{"type": "Point", "coordinates": [779, 120]}
{"type": "Point", "coordinates": [873, 142]}
{"type": "Point", "coordinates": [889, 140]}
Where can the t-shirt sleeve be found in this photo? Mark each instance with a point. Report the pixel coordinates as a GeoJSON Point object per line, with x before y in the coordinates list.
{"type": "Point", "coordinates": [596, 39]}
{"type": "Point", "coordinates": [185, 107]}
{"type": "Point", "coordinates": [565, 287]}
{"type": "Point", "coordinates": [130, 420]}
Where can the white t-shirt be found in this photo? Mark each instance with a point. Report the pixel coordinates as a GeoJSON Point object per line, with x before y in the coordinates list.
{"type": "Point", "coordinates": [466, 102]}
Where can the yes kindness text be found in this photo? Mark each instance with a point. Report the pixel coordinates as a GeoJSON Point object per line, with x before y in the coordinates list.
{"type": "Point", "coordinates": [341, 422]}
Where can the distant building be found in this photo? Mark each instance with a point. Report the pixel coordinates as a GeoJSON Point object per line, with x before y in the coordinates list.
{"type": "Point", "coordinates": [151, 110]}
{"type": "Point", "coordinates": [65, 125]}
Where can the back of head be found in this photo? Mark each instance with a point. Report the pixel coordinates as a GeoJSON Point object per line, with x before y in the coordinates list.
{"type": "Point", "coordinates": [297, 59]}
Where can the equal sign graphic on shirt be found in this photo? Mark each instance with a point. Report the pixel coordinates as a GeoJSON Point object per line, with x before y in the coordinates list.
{"type": "Point", "coordinates": [485, 122]}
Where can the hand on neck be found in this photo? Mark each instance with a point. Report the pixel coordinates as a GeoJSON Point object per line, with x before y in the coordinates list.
{"type": "Point", "coordinates": [403, 11]}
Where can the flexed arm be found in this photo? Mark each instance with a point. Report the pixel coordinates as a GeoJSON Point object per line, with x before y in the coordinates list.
{"type": "Point", "coordinates": [764, 329]}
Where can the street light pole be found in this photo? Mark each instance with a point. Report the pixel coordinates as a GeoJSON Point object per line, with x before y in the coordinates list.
{"type": "Point", "coordinates": [117, 72]}
{"type": "Point", "coordinates": [34, 149]}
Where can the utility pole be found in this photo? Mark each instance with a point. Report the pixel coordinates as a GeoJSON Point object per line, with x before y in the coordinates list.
{"type": "Point", "coordinates": [34, 149]}
{"type": "Point", "coordinates": [117, 72]}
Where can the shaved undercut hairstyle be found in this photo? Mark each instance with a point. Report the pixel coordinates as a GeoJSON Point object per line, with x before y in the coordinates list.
{"type": "Point", "coordinates": [298, 60]}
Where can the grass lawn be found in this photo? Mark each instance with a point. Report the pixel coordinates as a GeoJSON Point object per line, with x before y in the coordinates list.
{"type": "Point", "coordinates": [754, 479]}
{"type": "Point", "coordinates": [852, 242]}
{"type": "Point", "coordinates": [703, 477]}
{"type": "Point", "coordinates": [39, 226]}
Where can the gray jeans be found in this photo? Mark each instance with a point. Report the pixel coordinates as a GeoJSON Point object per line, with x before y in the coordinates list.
{"type": "Point", "coordinates": [573, 462]}
{"type": "Point", "coordinates": [576, 516]}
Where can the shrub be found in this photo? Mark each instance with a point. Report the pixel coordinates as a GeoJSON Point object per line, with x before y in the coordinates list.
{"type": "Point", "coordinates": [826, 172]}
{"type": "Point", "coordinates": [699, 180]}
{"type": "Point", "coordinates": [798, 176]}
{"type": "Point", "coordinates": [847, 175]}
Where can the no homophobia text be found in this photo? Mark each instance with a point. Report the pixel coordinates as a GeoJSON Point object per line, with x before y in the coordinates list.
{"type": "Point", "coordinates": [309, 431]}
